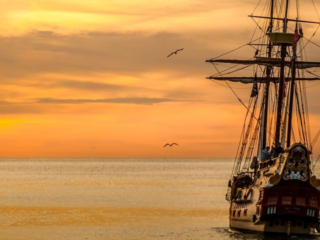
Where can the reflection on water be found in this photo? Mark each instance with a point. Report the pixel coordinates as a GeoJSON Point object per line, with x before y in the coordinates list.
{"type": "Point", "coordinates": [235, 235]}
{"type": "Point", "coordinates": [116, 199]}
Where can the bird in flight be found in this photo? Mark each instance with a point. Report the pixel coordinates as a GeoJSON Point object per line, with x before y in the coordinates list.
{"type": "Point", "coordinates": [168, 144]}
{"type": "Point", "coordinates": [175, 52]}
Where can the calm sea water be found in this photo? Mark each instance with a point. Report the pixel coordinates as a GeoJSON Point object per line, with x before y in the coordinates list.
{"type": "Point", "coordinates": [64, 199]}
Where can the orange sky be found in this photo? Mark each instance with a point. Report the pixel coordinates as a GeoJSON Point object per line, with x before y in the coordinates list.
{"type": "Point", "coordinates": [92, 78]}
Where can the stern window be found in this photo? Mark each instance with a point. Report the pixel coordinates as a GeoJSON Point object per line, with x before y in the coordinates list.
{"type": "Point", "coordinates": [301, 201]}
{"type": "Point", "coordinates": [272, 200]}
{"type": "Point", "coordinates": [286, 200]}
{"type": "Point", "coordinates": [313, 202]}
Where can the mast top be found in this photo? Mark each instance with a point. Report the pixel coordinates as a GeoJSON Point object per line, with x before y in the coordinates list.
{"type": "Point", "coordinates": [278, 38]}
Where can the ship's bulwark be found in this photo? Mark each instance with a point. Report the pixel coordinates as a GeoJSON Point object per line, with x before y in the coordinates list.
{"type": "Point", "coordinates": [281, 195]}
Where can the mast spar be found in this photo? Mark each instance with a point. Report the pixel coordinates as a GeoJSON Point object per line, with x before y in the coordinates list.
{"type": "Point", "coordinates": [293, 75]}
{"type": "Point", "coordinates": [265, 121]}
{"type": "Point", "coordinates": [281, 82]}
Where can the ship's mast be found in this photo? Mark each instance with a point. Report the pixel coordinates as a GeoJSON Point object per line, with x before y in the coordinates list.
{"type": "Point", "coordinates": [280, 39]}
{"type": "Point", "coordinates": [293, 75]}
{"type": "Point", "coordinates": [281, 82]}
{"type": "Point", "coordinates": [264, 133]}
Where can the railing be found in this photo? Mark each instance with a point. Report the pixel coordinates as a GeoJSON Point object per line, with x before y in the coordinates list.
{"type": "Point", "coordinates": [268, 163]}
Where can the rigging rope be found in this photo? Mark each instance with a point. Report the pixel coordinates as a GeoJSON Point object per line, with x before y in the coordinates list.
{"type": "Point", "coordinates": [300, 91]}
{"type": "Point", "coordinates": [315, 138]}
{"type": "Point", "coordinates": [304, 101]}
{"type": "Point", "coordinates": [226, 86]}
{"type": "Point", "coordinates": [238, 161]}
{"type": "Point", "coordinates": [247, 134]}
{"type": "Point", "coordinates": [237, 48]}
{"type": "Point", "coordinates": [315, 163]}
{"type": "Point", "coordinates": [220, 73]}
{"type": "Point", "coordinates": [315, 9]}
{"type": "Point", "coordinates": [253, 142]}
{"type": "Point", "coordinates": [233, 91]}
{"type": "Point", "coordinates": [256, 7]}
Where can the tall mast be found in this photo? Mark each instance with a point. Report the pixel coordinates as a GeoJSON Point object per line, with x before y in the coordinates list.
{"type": "Point", "coordinates": [264, 133]}
{"type": "Point", "coordinates": [293, 75]}
{"type": "Point", "coordinates": [281, 82]}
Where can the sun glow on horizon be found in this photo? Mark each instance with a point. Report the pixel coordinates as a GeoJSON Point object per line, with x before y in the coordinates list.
{"type": "Point", "coordinates": [92, 78]}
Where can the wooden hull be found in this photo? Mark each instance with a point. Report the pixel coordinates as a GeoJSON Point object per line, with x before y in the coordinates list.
{"type": "Point", "coordinates": [277, 198]}
{"type": "Point", "coordinates": [273, 226]}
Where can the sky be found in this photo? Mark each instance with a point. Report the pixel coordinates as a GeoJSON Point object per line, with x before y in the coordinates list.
{"type": "Point", "coordinates": [92, 78]}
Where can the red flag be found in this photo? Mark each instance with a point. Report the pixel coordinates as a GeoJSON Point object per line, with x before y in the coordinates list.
{"type": "Point", "coordinates": [295, 40]}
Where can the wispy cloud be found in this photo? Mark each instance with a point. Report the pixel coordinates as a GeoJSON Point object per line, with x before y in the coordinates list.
{"type": "Point", "coordinates": [90, 86]}
{"type": "Point", "coordinates": [45, 106]}
{"type": "Point", "coordinates": [97, 52]}
{"type": "Point", "coordinates": [5, 103]}
{"type": "Point", "coordinates": [147, 101]}
{"type": "Point", "coordinates": [68, 16]}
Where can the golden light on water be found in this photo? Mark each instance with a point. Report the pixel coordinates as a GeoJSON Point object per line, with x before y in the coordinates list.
{"type": "Point", "coordinates": [110, 198]}
{"type": "Point", "coordinates": [95, 216]}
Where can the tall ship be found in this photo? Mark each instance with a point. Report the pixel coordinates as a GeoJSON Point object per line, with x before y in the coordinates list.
{"type": "Point", "coordinates": [273, 186]}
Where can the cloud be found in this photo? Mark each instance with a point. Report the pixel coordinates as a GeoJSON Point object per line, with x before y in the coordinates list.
{"type": "Point", "coordinates": [94, 65]}
{"type": "Point", "coordinates": [90, 86]}
{"type": "Point", "coordinates": [147, 101]}
{"type": "Point", "coordinates": [105, 64]}
{"type": "Point", "coordinates": [46, 106]}
{"type": "Point", "coordinates": [67, 16]}
{"type": "Point", "coordinates": [96, 52]}
{"type": "Point", "coordinates": [91, 64]}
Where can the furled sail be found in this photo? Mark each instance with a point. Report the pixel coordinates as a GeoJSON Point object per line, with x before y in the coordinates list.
{"type": "Point", "coordinates": [269, 62]}
{"type": "Point", "coordinates": [254, 91]}
{"type": "Point", "coordinates": [258, 79]}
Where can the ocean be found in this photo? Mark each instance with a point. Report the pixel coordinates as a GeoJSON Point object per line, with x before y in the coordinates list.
{"type": "Point", "coordinates": [74, 199]}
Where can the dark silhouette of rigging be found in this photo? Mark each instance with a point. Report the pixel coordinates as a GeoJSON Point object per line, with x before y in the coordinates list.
{"type": "Point", "coordinates": [256, 53]}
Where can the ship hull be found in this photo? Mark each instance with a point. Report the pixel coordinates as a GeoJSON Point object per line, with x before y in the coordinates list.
{"type": "Point", "coordinates": [276, 225]}
{"type": "Point", "coordinates": [280, 196]}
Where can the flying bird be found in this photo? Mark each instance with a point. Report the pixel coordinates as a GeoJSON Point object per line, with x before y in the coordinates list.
{"type": "Point", "coordinates": [175, 52]}
{"type": "Point", "coordinates": [168, 144]}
